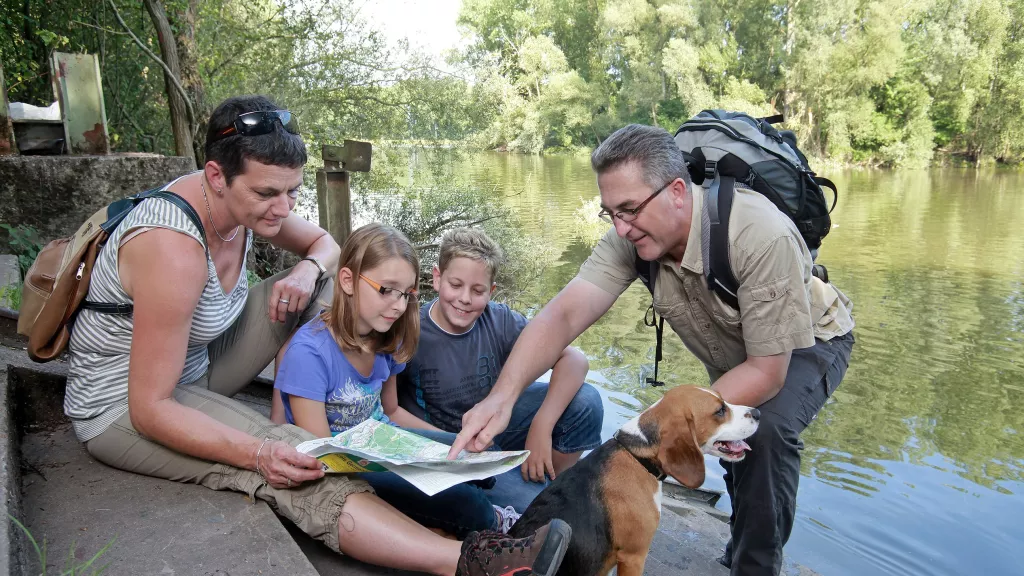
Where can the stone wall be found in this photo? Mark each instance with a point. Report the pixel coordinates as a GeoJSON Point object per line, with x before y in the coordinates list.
{"type": "Point", "coordinates": [55, 194]}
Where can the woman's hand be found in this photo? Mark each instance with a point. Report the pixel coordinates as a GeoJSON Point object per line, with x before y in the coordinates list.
{"type": "Point", "coordinates": [285, 467]}
{"type": "Point", "coordinates": [291, 294]}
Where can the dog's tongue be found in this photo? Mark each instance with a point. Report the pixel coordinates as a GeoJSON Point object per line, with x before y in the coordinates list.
{"type": "Point", "coordinates": [737, 445]}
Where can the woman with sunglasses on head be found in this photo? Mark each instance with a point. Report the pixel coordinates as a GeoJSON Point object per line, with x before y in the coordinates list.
{"type": "Point", "coordinates": [150, 392]}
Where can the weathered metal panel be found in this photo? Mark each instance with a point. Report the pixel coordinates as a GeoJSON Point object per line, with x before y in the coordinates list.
{"type": "Point", "coordinates": [77, 84]}
{"type": "Point", "coordinates": [6, 130]}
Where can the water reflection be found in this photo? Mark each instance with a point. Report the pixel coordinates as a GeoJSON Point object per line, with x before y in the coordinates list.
{"type": "Point", "coordinates": [916, 465]}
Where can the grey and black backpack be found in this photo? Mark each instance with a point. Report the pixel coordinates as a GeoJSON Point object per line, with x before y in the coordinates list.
{"type": "Point", "coordinates": [728, 149]}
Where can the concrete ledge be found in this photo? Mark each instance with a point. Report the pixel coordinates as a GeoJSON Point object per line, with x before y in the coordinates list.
{"type": "Point", "coordinates": [75, 503]}
{"type": "Point", "coordinates": [152, 526]}
{"type": "Point", "coordinates": [12, 543]}
{"type": "Point", "coordinates": [55, 194]}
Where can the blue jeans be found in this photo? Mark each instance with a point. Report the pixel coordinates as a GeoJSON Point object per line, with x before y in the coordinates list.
{"type": "Point", "coordinates": [467, 507]}
{"type": "Point", "coordinates": [577, 430]}
{"type": "Point", "coordinates": [459, 510]}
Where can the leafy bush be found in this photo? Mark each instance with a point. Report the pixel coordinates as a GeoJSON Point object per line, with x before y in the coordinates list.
{"type": "Point", "coordinates": [24, 243]}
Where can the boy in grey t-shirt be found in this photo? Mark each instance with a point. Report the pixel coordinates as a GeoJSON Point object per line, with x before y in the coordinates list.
{"type": "Point", "coordinates": [464, 342]}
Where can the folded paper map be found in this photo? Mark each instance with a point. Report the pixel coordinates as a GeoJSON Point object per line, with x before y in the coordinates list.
{"type": "Point", "coordinates": [375, 447]}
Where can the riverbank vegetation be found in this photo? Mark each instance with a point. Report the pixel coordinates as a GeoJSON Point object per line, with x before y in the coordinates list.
{"type": "Point", "coordinates": [874, 82]}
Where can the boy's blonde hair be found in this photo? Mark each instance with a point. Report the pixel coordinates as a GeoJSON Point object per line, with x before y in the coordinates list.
{"type": "Point", "coordinates": [470, 243]}
{"type": "Point", "coordinates": [365, 249]}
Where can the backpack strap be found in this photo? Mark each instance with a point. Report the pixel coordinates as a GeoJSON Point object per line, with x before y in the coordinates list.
{"type": "Point", "coordinates": [652, 320]}
{"type": "Point", "coordinates": [647, 272]}
{"type": "Point", "coordinates": [715, 242]}
{"type": "Point", "coordinates": [119, 210]}
{"type": "Point", "coordinates": [826, 183]}
{"type": "Point", "coordinates": [189, 211]}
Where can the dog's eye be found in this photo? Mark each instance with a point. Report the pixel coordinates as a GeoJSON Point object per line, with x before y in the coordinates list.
{"type": "Point", "coordinates": [721, 412]}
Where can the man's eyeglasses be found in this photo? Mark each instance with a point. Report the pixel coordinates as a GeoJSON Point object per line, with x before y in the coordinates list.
{"type": "Point", "coordinates": [392, 294]}
{"type": "Point", "coordinates": [630, 214]}
{"type": "Point", "coordinates": [259, 123]}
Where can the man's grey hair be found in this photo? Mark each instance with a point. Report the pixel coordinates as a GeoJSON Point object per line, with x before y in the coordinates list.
{"type": "Point", "coordinates": [652, 148]}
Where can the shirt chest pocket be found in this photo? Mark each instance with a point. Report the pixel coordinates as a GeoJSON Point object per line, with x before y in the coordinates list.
{"type": "Point", "coordinates": [772, 303]}
{"type": "Point", "coordinates": [670, 310]}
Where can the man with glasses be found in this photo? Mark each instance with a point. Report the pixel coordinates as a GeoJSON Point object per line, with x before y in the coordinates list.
{"type": "Point", "coordinates": [784, 351]}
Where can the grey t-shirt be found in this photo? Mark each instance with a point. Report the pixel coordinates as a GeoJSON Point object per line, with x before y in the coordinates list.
{"type": "Point", "coordinates": [450, 373]}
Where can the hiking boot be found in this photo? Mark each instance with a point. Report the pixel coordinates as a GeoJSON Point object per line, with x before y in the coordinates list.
{"type": "Point", "coordinates": [491, 553]}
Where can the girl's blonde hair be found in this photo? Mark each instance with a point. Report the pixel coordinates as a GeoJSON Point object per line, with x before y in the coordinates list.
{"type": "Point", "coordinates": [365, 249]}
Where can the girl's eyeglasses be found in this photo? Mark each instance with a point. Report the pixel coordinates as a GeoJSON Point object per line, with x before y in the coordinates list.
{"type": "Point", "coordinates": [393, 294]}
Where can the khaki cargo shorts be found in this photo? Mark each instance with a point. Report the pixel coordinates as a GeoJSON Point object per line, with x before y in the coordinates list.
{"type": "Point", "coordinates": [236, 357]}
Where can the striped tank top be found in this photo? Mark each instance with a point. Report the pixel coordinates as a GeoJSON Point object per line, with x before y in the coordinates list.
{"type": "Point", "coordinates": [97, 391]}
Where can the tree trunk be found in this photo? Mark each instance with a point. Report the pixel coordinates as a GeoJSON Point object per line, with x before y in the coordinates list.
{"type": "Point", "coordinates": [188, 57]}
{"type": "Point", "coordinates": [180, 125]}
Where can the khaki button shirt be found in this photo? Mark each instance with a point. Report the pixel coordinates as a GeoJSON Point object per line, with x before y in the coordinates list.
{"type": "Point", "coordinates": [782, 306]}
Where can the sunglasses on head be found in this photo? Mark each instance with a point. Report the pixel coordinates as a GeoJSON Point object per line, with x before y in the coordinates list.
{"type": "Point", "coordinates": [259, 123]}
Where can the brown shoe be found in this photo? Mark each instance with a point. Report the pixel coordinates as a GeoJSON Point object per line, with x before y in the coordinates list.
{"type": "Point", "coordinates": [495, 554]}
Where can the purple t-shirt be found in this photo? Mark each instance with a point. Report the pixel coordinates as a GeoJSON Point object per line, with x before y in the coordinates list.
{"type": "Point", "coordinates": [314, 367]}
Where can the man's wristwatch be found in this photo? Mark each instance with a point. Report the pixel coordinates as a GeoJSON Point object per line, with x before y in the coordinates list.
{"type": "Point", "coordinates": [318, 265]}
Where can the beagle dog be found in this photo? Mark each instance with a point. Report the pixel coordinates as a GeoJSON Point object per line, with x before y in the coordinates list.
{"type": "Point", "coordinates": [612, 498]}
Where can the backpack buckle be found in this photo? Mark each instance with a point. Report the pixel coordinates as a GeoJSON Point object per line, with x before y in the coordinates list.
{"type": "Point", "coordinates": [710, 166]}
{"type": "Point", "coordinates": [820, 272]}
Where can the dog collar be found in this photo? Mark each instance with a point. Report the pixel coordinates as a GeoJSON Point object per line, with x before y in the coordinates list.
{"type": "Point", "coordinates": [647, 463]}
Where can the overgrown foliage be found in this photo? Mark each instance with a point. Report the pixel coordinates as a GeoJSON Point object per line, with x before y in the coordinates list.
{"type": "Point", "coordinates": [319, 58]}
{"type": "Point", "coordinates": [870, 81]}
{"type": "Point", "coordinates": [425, 212]}
{"type": "Point", "coordinates": [23, 242]}
{"type": "Point", "coordinates": [878, 82]}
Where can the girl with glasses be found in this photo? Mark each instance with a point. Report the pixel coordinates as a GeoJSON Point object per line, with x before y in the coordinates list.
{"type": "Point", "coordinates": [338, 366]}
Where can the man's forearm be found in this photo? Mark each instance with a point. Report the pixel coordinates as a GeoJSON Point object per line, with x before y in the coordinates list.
{"type": "Point", "coordinates": [755, 381]}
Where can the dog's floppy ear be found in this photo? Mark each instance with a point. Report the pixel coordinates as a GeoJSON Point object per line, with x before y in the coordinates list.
{"type": "Point", "coordinates": [679, 454]}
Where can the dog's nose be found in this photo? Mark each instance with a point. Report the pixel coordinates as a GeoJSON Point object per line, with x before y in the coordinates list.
{"type": "Point", "coordinates": [755, 414]}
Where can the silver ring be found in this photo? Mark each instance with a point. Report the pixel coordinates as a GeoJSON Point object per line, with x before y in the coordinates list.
{"type": "Point", "coordinates": [289, 481]}
{"type": "Point", "coordinates": [283, 301]}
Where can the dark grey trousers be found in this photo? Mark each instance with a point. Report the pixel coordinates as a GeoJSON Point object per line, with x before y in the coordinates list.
{"type": "Point", "coordinates": [763, 485]}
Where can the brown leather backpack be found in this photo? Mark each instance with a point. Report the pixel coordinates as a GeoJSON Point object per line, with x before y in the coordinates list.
{"type": "Point", "coordinates": [58, 281]}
